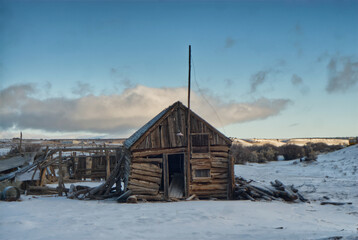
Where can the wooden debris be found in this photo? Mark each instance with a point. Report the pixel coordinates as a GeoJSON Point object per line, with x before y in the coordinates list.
{"type": "Point", "coordinates": [38, 190]}
{"type": "Point", "coordinates": [132, 199]}
{"type": "Point", "coordinates": [192, 197]}
{"type": "Point", "coordinates": [336, 203]}
{"type": "Point", "coordinates": [249, 190]}
{"type": "Point", "coordinates": [124, 196]}
{"type": "Point", "coordinates": [105, 190]}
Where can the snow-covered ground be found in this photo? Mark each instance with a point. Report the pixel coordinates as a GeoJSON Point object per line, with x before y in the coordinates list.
{"type": "Point", "coordinates": [4, 151]}
{"type": "Point", "coordinates": [333, 176]}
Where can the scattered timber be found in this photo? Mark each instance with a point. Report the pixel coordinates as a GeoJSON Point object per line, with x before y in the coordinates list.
{"type": "Point", "coordinates": [38, 190]}
{"type": "Point", "coordinates": [107, 189]}
{"type": "Point", "coordinates": [250, 190]}
{"type": "Point", "coordinates": [336, 203]}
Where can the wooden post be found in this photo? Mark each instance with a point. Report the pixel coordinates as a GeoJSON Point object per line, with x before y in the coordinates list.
{"type": "Point", "coordinates": [108, 164]}
{"type": "Point", "coordinates": [43, 176]}
{"type": "Point", "coordinates": [60, 174]}
{"type": "Point", "coordinates": [20, 142]}
{"type": "Point", "coordinates": [187, 182]}
{"type": "Point", "coordinates": [75, 164]}
{"type": "Point", "coordinates": [231, 177]}
{"type": "Point", "coordinates": [165, 176]}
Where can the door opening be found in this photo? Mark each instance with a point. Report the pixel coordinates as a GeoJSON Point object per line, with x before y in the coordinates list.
{"type": "Point", "coordinates": [176, 175]}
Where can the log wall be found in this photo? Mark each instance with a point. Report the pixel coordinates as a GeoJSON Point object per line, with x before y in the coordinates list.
{"type": "Point", "coordinates": [217, 184]}
{"type": "Point", "coordinates": [146, 174]}
{"type": "Point", "coordinates": [145, 177]}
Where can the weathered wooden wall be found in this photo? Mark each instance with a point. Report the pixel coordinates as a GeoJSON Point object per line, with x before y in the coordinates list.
{"type": "Point", "coordinates": [94, 167]}
{"type": "Point", "coordinates": [166, 133]}
{"type": "Point", "coordinates": [146, 177]}
{"type": "Point", "coordinates": [217, 185]}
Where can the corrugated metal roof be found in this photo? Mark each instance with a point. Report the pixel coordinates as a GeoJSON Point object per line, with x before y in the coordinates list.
{"type": "Point", "coordinates": [135, 136]}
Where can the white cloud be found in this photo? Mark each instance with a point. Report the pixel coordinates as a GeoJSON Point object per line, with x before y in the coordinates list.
{"type": "Point", "coordinates": [120, 114]}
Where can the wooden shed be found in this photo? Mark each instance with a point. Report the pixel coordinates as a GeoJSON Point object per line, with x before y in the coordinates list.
{"type": "Point", "coordinates": [159, 165]}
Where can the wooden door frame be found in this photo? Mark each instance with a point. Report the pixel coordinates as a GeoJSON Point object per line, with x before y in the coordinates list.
{"type": "Point", "coordinates": [166, 174]}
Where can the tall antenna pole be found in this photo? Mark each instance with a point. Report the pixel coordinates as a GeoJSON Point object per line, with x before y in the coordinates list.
{"type": "Point", "coordinates": [189, 83]}
{"type": "Point", "coordinates": [188, 127]}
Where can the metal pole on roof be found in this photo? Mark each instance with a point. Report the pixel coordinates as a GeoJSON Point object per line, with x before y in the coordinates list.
{"type": "Point", "coordinates": [188, 127]}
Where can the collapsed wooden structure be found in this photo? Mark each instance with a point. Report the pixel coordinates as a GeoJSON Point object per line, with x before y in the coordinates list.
{"type": "Point", "coordinates": [61, 164]}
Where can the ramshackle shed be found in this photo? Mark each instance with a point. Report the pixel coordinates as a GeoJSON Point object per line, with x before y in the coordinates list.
{"type": "Point", "coordinates": [160, 167]}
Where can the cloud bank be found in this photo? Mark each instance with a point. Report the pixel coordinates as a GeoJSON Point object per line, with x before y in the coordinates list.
{"type": "Point", "coordinates": [19, 108]}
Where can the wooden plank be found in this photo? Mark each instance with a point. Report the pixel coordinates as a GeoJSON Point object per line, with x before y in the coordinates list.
{"type": "Point", "coordinates": [157, 152]}
{"type": "Point", "coordinates": [179, 127]}
{"type": "Point", "coordinates": [166, 176]}
{"type": "Point", "coordinates": [207, 187]}
{"type": "Point", "coordinates": [146, 173]}
{"type": "Point", "coordinates": [211, 192]}
{"type": "Point", "coordinates": [200, 160]}
{"type": "Point", "coordinates": [43, 177]}
{"type": "Point", "coordinates": [146, 178]}
{"type": "Point", "coordinates": [216, 175]}
{"type": "Point", "coordinates": [231, 178]}
{"type": "Point", "coordinates": [219, 170]}
{"type": "Point", "coordinates": [202, 165]}
{"type": "Point", "coordinates": [171, 132]}
{"type": "Point", "coordinates": [86, 149]}
{"type": "Point", "coordinates": [165, 134]}
{"type": "Point", "coordinates": [200, 155]}
{"type": "Point", "coordinates": [201, 180]}
{"type": "Point", "coordinates": [219, 148]}
{"type": "Point", "coordinates": [220, 154]}
{"type": "Point", "coordinates": [220, 181]}
{"type": "Point", "coordinates": [155, 138]}
{"type": "Point", "coordinates": [220, 159]}
{"type": "Point", "coordinates": [142, 190]}
{"type": "Point", "coordinates": [147, 166]}
{"type": "Point", "coordinates": [186, 175]}
{"type": "Point", "coordinates": [145, 184]}
{"type": "Point", "coordinates": [60, 175]}
{"type": "Point", "coordinates": [183, 118]}
{"type": "Point", "coordinates": [219, 165]}
{"type": "Point", "coordinates": [147, 160]}
{"type": "Point", "coordinates": [108, 164]}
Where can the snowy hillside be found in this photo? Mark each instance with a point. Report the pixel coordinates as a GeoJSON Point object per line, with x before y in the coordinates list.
{"type": "Point", "coordinates": [333, 177]}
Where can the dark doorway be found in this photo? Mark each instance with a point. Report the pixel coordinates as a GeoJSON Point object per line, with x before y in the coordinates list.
{"type": "Point", "coordinates": [176, 175]}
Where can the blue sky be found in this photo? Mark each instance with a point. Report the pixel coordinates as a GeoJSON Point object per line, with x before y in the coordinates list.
{"type": "Point", "coordinates": [271, 69]}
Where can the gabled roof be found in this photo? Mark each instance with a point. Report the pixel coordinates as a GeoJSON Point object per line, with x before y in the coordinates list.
{"type": "Point", "coordinates": [138, 134]}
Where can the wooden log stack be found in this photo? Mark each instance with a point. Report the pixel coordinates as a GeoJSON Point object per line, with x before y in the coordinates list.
{"type": "Point", "coordinates": [145, 178]}
{"type": "Point", "coordinates": [250, 190]}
